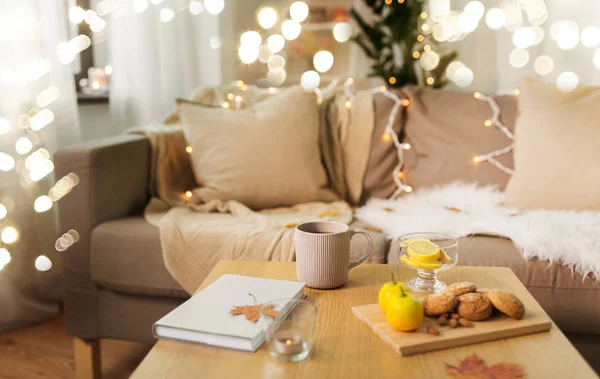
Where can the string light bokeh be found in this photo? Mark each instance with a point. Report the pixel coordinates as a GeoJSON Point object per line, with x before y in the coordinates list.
{"type": "Point", "coordinates": [277, 26]}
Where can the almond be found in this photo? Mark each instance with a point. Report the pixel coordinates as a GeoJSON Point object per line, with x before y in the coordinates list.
{"type": "Point", "coordinates": [464, 322]}
{"type": "Point", "coordinates": [442, 321]}
{"type": "Point", "coordinates": [432, 330]}
{"type": "Point", "coordinates": [453, 323]}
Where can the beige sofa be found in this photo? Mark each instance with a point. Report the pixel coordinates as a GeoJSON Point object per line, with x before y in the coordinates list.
{"type": "Point", "coordinates": [116, 284]}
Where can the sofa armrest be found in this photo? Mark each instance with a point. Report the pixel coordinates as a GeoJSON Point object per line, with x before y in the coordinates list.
{"type": "Point", "coordinates": [113, 183]}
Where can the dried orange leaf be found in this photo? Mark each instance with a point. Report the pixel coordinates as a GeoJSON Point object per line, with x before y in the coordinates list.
{"type": "Point", "coordinates": [454, 209]}
{"type": "Point", "coordinates": [269, 311]}
{"type": "Point", "coordinates": [506, 371]}
{"type": "Point", "coordinates": [251, 312]}
{"type": "Point", "coordinates": [290, 225]}
{"type": "Point", "coordinates": [388, 209]}
{"type": "Point", "coordinates": [474, 367]}
{"type": "Point", "coordinates": [328, 214]}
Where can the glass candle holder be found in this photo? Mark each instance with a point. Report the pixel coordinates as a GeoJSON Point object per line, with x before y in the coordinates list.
{"type": "Point", "coordinates": [289, 335]}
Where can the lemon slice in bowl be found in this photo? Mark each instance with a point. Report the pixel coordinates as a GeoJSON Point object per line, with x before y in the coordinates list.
{"type": "Point", "coordinates": [420, 265]}
{"type": "Point", "coordinates": [408, 241]}
{"type": "Point", "coordinates": [423, 251]}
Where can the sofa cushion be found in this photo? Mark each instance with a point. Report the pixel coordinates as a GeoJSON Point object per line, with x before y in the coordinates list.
{"type": "Point", "coordinates": [264, 156]}
{"type": "Point", "coordinates": [446, 131]}
{"type": "Point", "coordinates": [573, 302]}
{"type": "Point", "coordinates": [383, 155]}
{"type": "Point", "coordinates": [126, 256]}
{"type": "Point", "coordinates": [556, 148]}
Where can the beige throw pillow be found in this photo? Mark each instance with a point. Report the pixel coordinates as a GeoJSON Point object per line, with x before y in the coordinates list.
{"type": "Point", "coordinates": [264, 156]}
{"type": "Point", "coordinates": [383, 155]}
{"type": "Point", "coordinates": [557, 148]}
{"type": "Point", "coordinates": [446, 131]}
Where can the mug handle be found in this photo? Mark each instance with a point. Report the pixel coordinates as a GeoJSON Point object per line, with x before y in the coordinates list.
{"type": "Point", "coordinates": [367, 252]}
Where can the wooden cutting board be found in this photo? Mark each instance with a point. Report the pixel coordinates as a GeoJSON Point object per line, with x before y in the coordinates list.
{"type": "Point", "coordinates": [419, 341]}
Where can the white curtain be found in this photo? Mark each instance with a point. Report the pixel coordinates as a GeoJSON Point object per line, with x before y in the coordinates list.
{"type": "Point", "coordinates": [487, 51]}
{"type": "Point", "coordinates": [32, 81]}
{"type": "Point", "coordinates": [155, 61]}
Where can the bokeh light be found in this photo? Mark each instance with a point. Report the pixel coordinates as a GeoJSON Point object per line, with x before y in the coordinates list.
{"type": "Point", "coordinates": [523, 37]}
{"type": "Point", "coordinates": [23, 145]}
{"type": "Point", "coordinates": [513, 18]}
{"type": "Point", "coordinates": [298, 11]}
{"type": "Point", "coordinates": [276, 63]}
{"type": "Point", "coordinates": [290, 29]}
{"type": "Point", "coordinates": [196, 7]}
{"type": "Point", "coordinates": [452, 68]}
{"type": "Point", "coordinates": [310, 80]}
{"type": "Point", "coordinates": [323, 61]}
{"type": "Point", "coordinates": [590, 36]}
{"type": "Point", "coordinates": [276, 43]}
{"type": "Point", "coordinates": [463, 77]}
{"type": "Point", "coordinates": [76, 15]}
{"type": "Point", "coordinates": [567, 81]}
{"type": "Point", "coordinates": [7, 162]}
{"type": "Point", "coordinates": [214, 7]}
{"type": "Point", "coordinates": [518, 58]}
{"type": "Point", "coordinates": [565, 33]}
{"type": "Point", "coordinates": [250, 38]}
{"type": "Point", "coordinates": [166, 14]}
{"type": "Point", "coordinates": [4, 257]}
{"type": "Point", "coordinates": [42, 204]}
{"type": "Point", "coordinates": [248, 53]}
{"type": "Point", "coordinates": [43, 263]}
{"type": "Point", "coordinates": [494, 18]}
{"type": "Point", "coordinates": [41, 119]}
{"type": "Point", "coordinates": [429, 60]}
{"type": "Point", "coordinates": [139, 6]}
{"type": "Point", "coordinates": [266, 17]}
{"type": "Point", "coordinates": [342, 32]}
{"type": "Point", "coordinates": [9, 235]}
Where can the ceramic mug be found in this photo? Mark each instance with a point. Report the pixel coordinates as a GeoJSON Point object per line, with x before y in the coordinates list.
{"type": "Point", "coordinates": [323, 253]}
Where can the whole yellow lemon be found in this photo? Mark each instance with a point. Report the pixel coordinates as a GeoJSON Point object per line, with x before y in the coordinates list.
{"type": "Point", "coordinates": [388, 290]}
{"type": "Point", "coordinates": [404, 312]}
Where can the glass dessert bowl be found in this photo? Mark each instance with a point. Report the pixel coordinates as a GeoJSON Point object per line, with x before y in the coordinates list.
{"type": "Point", "coordinates": [428, 253]}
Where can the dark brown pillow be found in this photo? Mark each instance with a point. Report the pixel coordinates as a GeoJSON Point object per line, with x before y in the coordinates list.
{"type": "Point", "coordinates": [446, 131]}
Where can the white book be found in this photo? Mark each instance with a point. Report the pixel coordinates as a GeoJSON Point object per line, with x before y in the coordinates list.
{"type": "Point", "coordinates": [205, 318]}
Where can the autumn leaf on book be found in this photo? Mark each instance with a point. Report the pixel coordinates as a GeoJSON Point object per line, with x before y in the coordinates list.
{"type": "Point", "coordinates": [474, 367]}
{"type": "Point", "coordinates": [252, 312]}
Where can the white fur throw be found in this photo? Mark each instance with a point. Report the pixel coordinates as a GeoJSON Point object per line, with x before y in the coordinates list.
{"type": "Point", "coordinates": [461, 209]}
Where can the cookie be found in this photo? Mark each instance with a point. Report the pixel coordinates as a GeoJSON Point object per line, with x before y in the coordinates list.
{"type": "Point", "coordinates": [474, 306]}
{"type": "Point", "coordinates": [460, 288]}
{"type": "Point", "coordinates": [439, 303]}
{"type": "Point", "coordinates": [507, 303]}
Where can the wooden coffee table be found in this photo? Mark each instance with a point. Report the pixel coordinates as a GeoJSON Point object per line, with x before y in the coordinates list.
{"type": "Point", "coordinates": [343, 347]}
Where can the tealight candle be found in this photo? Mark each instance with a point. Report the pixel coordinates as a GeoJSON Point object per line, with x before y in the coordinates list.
{"type": "Point", "coordinates": [288, 342]}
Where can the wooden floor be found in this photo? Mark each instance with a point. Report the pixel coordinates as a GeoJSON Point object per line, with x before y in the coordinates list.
{"type": "Point", "coordinates": [45, 351]}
